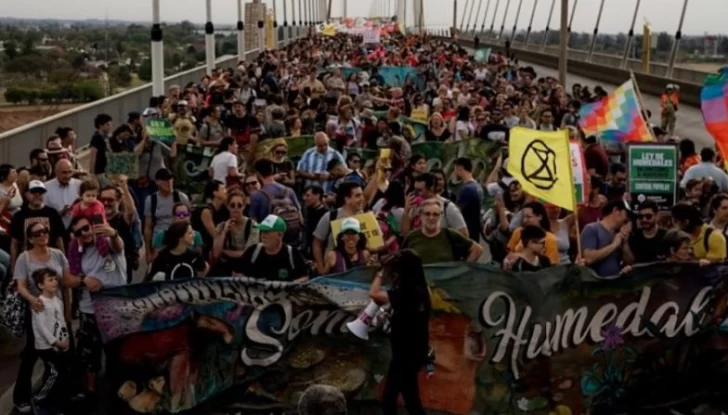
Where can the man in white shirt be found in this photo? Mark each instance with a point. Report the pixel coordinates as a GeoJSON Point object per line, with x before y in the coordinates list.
{"type": "Point", "coordinates": [62, 191]}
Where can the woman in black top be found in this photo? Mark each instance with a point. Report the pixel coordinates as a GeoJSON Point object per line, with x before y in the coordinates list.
{"type": "Point", "coordinates": [409, 297]}
{"type": "Point", "coordinates": [178, 260]}
{"type": "Point", "coordinates": [437, 130]}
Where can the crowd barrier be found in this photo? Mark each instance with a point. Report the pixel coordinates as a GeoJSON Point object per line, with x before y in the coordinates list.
{"type": "Point", "coordinates": [612, 73]}
{"type": "Point", "coordinates": [558, 341]}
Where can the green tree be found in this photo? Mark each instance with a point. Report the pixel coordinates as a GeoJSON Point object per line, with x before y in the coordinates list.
{"type": "Point", "coordinates": [145, 70]}
{"type": "Point", "coordinates": [29, 65]}
{"type": "Point", "coordinates": [120, 49]}
{"type": "Point", "coordinates": [11, 49]}
{"type": "Point", "coordinates": [14, 95]}
{"type": "Point", "coordinates": [120, 75]}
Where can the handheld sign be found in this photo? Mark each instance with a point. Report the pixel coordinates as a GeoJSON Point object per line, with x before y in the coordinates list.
{"type": "Point", "coordinates": [369, 227]}
{"type": "Point", "coordinates": [652, 174]}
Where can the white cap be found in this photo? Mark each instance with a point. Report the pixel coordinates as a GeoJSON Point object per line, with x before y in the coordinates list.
{"type": "Point", "coordinates": [148, 112]}
{"type": "Point", "coordinates": [36, 185]}
{"type": "Point", "coordinates": [350, 225]}
{"type": "Point", "coordinates": [182, 102]}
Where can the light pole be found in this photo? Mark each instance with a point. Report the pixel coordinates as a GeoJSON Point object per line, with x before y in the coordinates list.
{"type": "Point", "coordinates": [564, 51]}
{"type": "Point", "coordinates": [157, 52]}
{"type": "Point", "coordinates": [241, 32]}
{"type": "Point", "coordinates": [209, 38]}
{"type": "Point", "coordinates": [676, 43]}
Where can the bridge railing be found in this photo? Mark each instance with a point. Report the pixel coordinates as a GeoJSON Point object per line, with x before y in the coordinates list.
{"type": "Point", "coordinates": [607, 68]}
{"type": "Point", "coordinates": [16, 144]}
{"type": "Point", "coordinates": [607, 60]}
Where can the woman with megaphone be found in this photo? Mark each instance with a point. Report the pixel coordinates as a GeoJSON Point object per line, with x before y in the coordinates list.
{"type": "Point", "coordinates": [409, 298]}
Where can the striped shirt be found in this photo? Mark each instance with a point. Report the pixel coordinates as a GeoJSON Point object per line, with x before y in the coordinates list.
{"type": "Point", "coordinates": [313, 161]}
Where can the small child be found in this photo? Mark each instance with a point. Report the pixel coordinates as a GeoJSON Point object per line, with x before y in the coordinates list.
{"type": "Point", "coordinates": [532, 257]}
{"type": "Point", "coordinates": [51, 342]}
{"type": "Point", "coordinates": [88, 205]}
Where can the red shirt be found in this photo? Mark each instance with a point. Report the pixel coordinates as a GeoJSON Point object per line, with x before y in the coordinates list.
{"type": "Point", "coordinates": [94, 209]}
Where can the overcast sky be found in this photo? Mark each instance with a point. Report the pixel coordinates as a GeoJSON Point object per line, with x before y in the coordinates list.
{"type": "Point", "coordinates": [702, 15]}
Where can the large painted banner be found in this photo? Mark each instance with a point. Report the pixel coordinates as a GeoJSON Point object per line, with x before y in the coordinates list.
{"type": "Point", "coordinates": [558, 341]}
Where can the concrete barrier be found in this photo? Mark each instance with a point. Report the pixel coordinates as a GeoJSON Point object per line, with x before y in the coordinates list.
{"type": "Point", "coordinates": [607, 68]}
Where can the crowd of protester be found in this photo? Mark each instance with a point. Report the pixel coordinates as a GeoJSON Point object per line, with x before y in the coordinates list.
{"type": "Point", "coordinates": [69, 231]}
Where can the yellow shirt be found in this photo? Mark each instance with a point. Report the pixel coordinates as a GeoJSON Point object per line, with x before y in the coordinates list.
{"type": "Point", "coordinates": [716, 245]}
{"type": "Point", "coordinates": [551, 246]}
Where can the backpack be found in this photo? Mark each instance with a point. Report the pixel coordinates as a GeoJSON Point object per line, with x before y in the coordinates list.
{"type": "Point", "coordinates": [282, 206]}
{"type": "Point", "coordinates": [155, 199]}
{"type": "Point", "coordinates": [259, 248]}
{"type": "Point", "coordinates": [196, 217]}
{"type": "Point", "coordinates": [706, 238]}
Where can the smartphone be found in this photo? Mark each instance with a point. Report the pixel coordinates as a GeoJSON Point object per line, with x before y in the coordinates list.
{"type": "Point", "coordinates": [97, 219]}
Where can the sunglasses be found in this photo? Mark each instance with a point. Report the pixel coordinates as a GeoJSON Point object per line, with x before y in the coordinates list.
{"type": "Point", "coordinates": [107, 200]}
{"type": "Point", "coordinates": [248, 184]}
{"type": "Point", "coordinates": [183, 214]}
{"type": "Point", "coordinates": [280, 153]}
{"type": "Point", "coordinates": [647, 216]}
{"type": "Point", "coordinates": [357, 161]}
{"type": "Point", "coordinates": [236, 205]}
{"type": "Point", "coordinates": [80, 231]}
{"type": "Point", "coordinates": [40, 232]}
{"type": "Point", "coordinates": [431, 214]}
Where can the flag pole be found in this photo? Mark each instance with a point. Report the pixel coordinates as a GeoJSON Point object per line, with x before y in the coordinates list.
{"type": "Point", "coordinates": [642, 104]}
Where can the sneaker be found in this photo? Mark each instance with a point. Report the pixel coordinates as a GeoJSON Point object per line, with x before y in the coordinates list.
{"type": "Point", "coordinates": [23, 408]}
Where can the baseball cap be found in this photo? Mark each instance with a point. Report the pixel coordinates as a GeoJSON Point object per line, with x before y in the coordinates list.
{"type": "Point", "coordinates": [163, 174]}
{"type": "Point", "coordinates": [150, 112]}
{"type": "Point", "coordinates": [182, 103]}
{"type": "Point", "coordinates": [36, 186]}
{"type": "Point", "coordinates": [350, 225]}
{"type": "Point", "coordinates": [272, 223]}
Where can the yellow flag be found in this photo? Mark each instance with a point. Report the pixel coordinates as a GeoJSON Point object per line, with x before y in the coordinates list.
{"type": "Point", "coordinates": [541, 162]}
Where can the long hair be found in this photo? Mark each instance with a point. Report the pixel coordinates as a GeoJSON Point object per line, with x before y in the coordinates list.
{"type": "Point", "coordinates": [408, 274]}
{"type": "Point", "coordinates": [174, 233]}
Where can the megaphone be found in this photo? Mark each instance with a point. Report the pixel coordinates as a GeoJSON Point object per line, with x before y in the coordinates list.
{"type": "Point", "coordinates": [360, 326]}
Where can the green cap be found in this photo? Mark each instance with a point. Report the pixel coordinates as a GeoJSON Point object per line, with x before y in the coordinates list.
{"type": "Point", "coordinates": [272, 223]}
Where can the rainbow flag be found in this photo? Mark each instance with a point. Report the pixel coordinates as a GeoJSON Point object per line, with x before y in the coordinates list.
{"type": "Point", "coordinates": [617, 117]}
{"type": "Point", "coordinates": [714, 105]}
